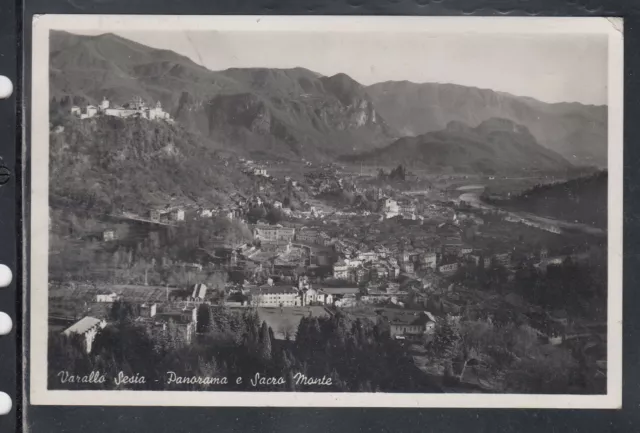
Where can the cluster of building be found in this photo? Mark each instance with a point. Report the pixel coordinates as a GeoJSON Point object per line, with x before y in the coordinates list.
{"type": "Point", "coordinates": [442, 252]}
{"type": "Point", "coordinates": [252, 168]}
{"type": "Point", "coordinates": [404, 208]}
{"type": "Point", "coordinates": [323, 181]}
{"type": "Point", "coordinates": [430, 243]}
{"type": "Point", "coordinates": [314, 236]}
{"type": "Point", "coordinates": [167, 214]}
{"type": "Point", "coordinates": [281, 234]}
{"type": "Point", "coordinates": [285, 247]}
{"type": "Point", "coordinates": [409, 324]}
{"type": "Point", "coordinates": [135, 108]}
{"type": "Point", "coordinates": [533, 223]}
{"type": "Point", "coordinates": [181, 321]}
{"type": "Point", "coordinates": [274, 233]}
{"type": "Point", "coordinates": [305, 293]}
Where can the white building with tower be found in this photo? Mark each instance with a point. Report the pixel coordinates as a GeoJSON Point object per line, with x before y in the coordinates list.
{"type": "Point", "coordinates": [136, 108]}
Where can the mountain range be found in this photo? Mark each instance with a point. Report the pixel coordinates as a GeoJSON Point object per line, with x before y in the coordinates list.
{"type": "Point", "coordinates": [576, 131]}
{"type": "Point", "coordinates": [297, 113]}
{"type": "Point", "coordinates": [283, 113]}
{"type": "Point", "coordinates": [496, 145]}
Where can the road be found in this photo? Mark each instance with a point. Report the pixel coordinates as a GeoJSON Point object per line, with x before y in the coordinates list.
{"type": "Point", "coordinates": [473, 199]}
{"type": "Point", "coordinates": [142, 220]}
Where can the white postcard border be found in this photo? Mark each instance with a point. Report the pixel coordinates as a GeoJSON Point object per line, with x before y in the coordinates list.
{"type": "Point", "coordinates": [37, 281]}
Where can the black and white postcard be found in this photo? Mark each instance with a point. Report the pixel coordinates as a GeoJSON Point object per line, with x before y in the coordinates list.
{"type": "Point", "coordinates": [326, 211]}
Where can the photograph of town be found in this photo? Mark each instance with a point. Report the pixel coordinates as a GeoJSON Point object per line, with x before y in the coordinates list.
{"type": "Point", "coordinates": [327, 212]}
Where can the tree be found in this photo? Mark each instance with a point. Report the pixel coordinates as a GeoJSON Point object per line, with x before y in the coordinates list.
{"type": "Point", "coordinates": [446, 338]}
{"type": "Point", "coordinates": [265, 342]}
{"type": "Point", "coordinates": [274, 216]}
{"type": "Point", "coordinates": [474, 337]}
{"type": "Point", "coordinates": [130, 347]}
{"type": "Point", "coordinates": [398, 173]}
{"type": "Point", "coordinates": [123, 311]}
{"type": "Point", "coordinates": [204, 318]}
{"type": "Point", "coordinates": [216, 280]}
{"type": "Point", "coordinates": [66, 354]}
{"type": "Point", "coordinates": [547, 370]}
{"type": "Point", "coordinates": [207, 369]}
{"type": "Point", "coordinates": [255, 214]}
{"type": "Point", "coordinates": [182, 278]}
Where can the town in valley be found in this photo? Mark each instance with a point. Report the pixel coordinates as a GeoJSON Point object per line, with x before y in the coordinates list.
{"type": "Point", "coordinates": [172, 253]}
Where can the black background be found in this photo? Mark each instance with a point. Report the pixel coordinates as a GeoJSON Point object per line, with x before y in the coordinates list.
{"type": "Point", "coordinates": [9, 216]}
{"type": "Point", "coordinates": [50, 419]}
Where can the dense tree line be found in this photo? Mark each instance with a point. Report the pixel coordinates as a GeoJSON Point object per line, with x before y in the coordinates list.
{"type": "Point", "coordinates": [398, 173]}
{"type": "Point", "coordinates": [350, 355]}
{"type": "Point", "coordinates": [579, 288]}
{"type": "Point", "coordinates": [583, 200]}
{"type": "Point", "coordinates": [503, 342]}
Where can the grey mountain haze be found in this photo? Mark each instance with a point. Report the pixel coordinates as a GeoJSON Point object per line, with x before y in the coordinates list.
{"type": "Point", "coordinates": [293, 113]}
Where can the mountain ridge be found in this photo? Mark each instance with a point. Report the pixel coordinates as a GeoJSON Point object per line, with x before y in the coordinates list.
{"type": "Point", "coordinates": [279, 113]}
{"type": "Point", "coordinates": [494, 146]}
{"type": "Point", "coordinates": [501, 92]}
{"type": "Point", "coordinates": [289, 113]}
{"type": "Point", "coordinates": [575, 130]}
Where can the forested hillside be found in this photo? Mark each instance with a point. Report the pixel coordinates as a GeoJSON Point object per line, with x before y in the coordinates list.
{"type": "Point", "coordinates": [263, 112]}
{"type": "Point", "coordinates": [496, 145]}
{"type": "Point", "coordinates": [114, 164]}
{"type": "Point", "coordinates": [583, 200]}
{"type": "Point", "coordinates": [351, 356]}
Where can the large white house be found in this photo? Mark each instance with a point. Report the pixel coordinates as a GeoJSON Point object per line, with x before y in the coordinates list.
{"type": "Point", "coordinates": [275, 296]}
{"type": "Point", "coordinates": [269, 233]}
{"type": "Point", "coordinates": [341, 270]}
{"type": "Point", "coordinates": [313, 296]}
{"type": "Point", "coordinates": [429, 259]}
{"type": "Point", "coordinates": [105, 296]}
{"type": "Point", "coordinates": [405, 325]}
{"type": "Point", "coordinates": [87, 327]}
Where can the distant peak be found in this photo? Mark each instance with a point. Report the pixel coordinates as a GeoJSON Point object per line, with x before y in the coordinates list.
{"type": "Point", "coordinates": [456, 125]}
{"type": "Point", "coordinates": [112, 36]}
{"type": "Point", "coordinates": [343, 87]}
{"type": "Point", "coordinates": [501, 124]}
{"type": "Point", "coordinates": [340, 75]}
{"type": "Point", "coordinates": [106, 35]}
{"type": "Point", "coordinates": [343, 78]}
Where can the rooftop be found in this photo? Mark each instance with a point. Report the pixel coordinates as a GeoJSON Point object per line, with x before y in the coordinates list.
{"type": "Point", "coordinates": [270, 227]}
{"type": "Point", "coordinates": [82, 326]}
{"type": "Point", "coordinates": [105, 292]}
{"type": "Point", "coordinates": [177, 317]}
{"type": "Point", "coordinates": [340, 290]}
{"type": "Point", "coordinates": [404, 318]}
{"type": "Point", "coordinates": [272, 290]}
{"type": "Point", "coordinates": [448, 261]}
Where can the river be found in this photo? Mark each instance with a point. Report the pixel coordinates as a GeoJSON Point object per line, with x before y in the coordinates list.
{"type": "Point", "coordinates": [473, 199]}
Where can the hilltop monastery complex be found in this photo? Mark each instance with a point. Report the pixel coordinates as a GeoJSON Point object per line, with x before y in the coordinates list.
{"type": "Point", "coordinates": [137, 107]}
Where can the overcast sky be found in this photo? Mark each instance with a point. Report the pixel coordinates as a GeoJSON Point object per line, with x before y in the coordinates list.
{"type": "Point", "coordinates": [552, 68]}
